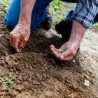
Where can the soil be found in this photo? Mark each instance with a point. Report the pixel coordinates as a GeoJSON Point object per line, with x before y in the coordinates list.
{"type": "Point", "coordinates": [35, 73]}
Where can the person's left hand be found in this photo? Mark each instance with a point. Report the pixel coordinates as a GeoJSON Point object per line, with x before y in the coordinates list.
{"type": "Point", "coordinates": [66, 52]}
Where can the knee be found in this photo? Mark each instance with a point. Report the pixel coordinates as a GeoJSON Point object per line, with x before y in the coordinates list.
{"type": "Point", "coordinates": [10, 22]}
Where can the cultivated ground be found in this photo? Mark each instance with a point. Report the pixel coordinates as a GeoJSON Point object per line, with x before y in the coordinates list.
{"type": "Point", "coordinates": [35, 73]}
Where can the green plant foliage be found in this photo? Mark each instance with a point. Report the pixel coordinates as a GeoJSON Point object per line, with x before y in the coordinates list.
{"type": "Point", "coordinates": [55, 5]}
{"type": "Point", "coordinates": [95, 25]}
{"type": "Point", "coordinates": [6, 3]}
{"type": "Point", "coordinates": [9, 80]}
{"type": "Point", "coordinates": [60, 16]}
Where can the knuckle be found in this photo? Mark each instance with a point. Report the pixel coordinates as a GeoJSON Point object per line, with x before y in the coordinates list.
{"type": "Point", "coordinates": [25, 39]}
{"type": "Point", "coordinates": [12, 35]}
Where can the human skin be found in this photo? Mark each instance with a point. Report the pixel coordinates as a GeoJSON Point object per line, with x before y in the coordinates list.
{"type": "Point", "coordinates": [68, 50]}
{"type": "Point", "coordinates": [20, 35]}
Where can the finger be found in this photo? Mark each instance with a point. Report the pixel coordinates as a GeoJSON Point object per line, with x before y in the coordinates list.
{"type": "Point", "coordinates": [21, 45]}
{"type": "Point", "coordinates": [14, 41]}
{"type": "Point", "coordinates": [63, 47]}
{"type": "Point", "coordinates": [52, 46]}
{"type": "Point", "coordinates": [68, 58]}
{"type": "Point", "coordinates": [54, 51]}
{"type": "Point", "coordinates": [15, 44]}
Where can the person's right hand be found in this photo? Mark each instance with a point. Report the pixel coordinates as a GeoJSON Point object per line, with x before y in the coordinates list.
{"type": "Point", "coordinates": [19, 36]}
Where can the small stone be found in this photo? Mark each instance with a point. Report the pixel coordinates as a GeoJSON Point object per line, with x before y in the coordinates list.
{"type": "Point", "coordinates": [74, 61]}
{"type": "Point", "coordinates": [19, 87]}
{"type": "Point", "coordinates": [87, 83]}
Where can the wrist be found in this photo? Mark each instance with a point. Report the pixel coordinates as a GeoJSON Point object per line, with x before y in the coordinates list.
{"type": "Point", "coordinates": [75, 38]}
{"type": "Point", "coordinates": [24, 21]}
{"type": "Point", "coordinates": [77, 33]}
{"type": "Point", "coordinates": [75, 43]}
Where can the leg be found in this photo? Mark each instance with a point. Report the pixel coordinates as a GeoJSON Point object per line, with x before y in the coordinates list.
{"type": "Point", "coordinates": [64, 27]}
{"type": "Point", "coordinates": [96, 19]}
{"type": "Point", "coordinates": [38, 14]}
{"type": "Point", "coordinates": [45, 20]}
{"type": "Point", "coordinates": [12, 15]}
{"type": "Point", "coordinates": [65, 23]}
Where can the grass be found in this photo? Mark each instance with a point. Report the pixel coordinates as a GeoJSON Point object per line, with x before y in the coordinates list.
{"type": "Point", "coordinates": [95, 25]}
{"type": "Point", "coordinates": [9, 80]}
{"type": "Point", "coordinates": [6, 3]}
{"type": "Point", "coordinates": [59, 6]}
{"type": "Point", "coordinates": [56, 6]}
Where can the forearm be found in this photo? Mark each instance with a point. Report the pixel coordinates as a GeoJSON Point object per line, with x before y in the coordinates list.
{"type": "Point", "coordinates": [26, 11]}
{"type": "Point", "coordinates": [77, 33]}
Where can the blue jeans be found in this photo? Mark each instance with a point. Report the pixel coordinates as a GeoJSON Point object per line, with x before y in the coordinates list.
{"type": "Point", "coordinates": [39, 13]}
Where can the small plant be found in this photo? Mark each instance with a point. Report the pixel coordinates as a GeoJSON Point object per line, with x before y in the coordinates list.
{"type": "Point", "coordinates": [60, 16]}
{"type": "Point", "coordinates": [9, 80]}
{"type": "Point", "coordinates": [74, 61]}
{"type": "Point", "coordinates": [44, 68]}
{"type": "Point", "coordinates": [95, 25]}
{"type": "Point", "coordinates": [55, 5]}
{"type": "Point", "coordinates": [6, 3]}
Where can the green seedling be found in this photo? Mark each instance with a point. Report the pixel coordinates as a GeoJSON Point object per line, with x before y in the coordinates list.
{"type": "Point", "coordinates": [55, 5]}
{"type": "Point", "coordinates": [44, 68]}
{"type": "Point", "coordinates": [60, 16]}
{"type": "Point", "coordinates": [78, 53]}
{"type": "Point", "coordinates": [9, 80]}
{"type": "Point", "coordinates": [74, 61]}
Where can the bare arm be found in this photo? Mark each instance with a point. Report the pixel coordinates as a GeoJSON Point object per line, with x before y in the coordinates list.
{"type": "Point", "coordinates": [77, 32]}
{"type": "Point", "coordinates": [26, 11]}
{"type": "Point", "coordinates": [21, 33]}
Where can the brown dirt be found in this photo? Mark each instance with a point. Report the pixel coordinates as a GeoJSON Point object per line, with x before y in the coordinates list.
{"type": "Point", "coordinates": [94, 29]}
{"type": "Point", "coordinates": [37, 74]}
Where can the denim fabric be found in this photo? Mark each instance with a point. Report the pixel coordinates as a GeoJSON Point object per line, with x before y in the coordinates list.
{"type": "Point", "coordinates": [38, 15]}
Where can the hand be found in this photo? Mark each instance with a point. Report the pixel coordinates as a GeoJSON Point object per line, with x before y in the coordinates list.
{"type": "Point", "coordinates": [19, 36]}
{"type": "Point", "coordinates": [66, 52]}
